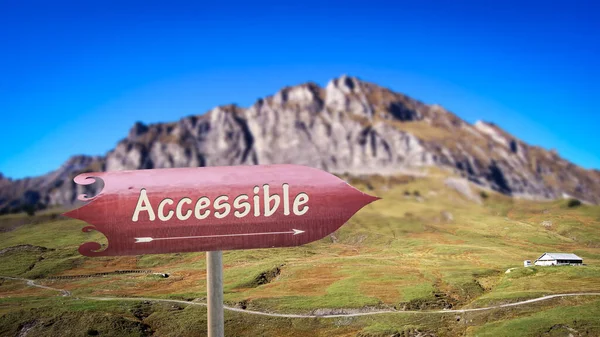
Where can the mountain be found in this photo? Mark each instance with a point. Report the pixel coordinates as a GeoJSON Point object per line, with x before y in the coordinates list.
{"type": "Point", "coordinates": [350, 126]}
{"type": "Point", "coordinates": [54, 188]}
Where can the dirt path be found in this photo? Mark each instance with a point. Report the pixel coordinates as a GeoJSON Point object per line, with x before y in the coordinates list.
{"type": "Point", "coordinates": [251, 312]}
{"type": "Point", "coordinates": [32, 283]}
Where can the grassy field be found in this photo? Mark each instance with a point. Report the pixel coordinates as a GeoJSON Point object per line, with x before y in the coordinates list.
{"type": "Point", "coordinates": [424, 246]}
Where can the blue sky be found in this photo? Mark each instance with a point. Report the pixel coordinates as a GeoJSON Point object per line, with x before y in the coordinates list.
{"type": "Point", "coordinates": [77, 75]}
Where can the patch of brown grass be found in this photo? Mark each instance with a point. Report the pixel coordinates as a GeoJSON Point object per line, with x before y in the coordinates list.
{"type": "Point", "coordinates": [103, 265]}
{"type": "Point", "coordinates": [14, 288]}
{"type": "Point", "coordinates": [301, 282]}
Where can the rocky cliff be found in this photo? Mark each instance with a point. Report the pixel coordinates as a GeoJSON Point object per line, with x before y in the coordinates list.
{"type": "Point", "coordinates": [350, 126]}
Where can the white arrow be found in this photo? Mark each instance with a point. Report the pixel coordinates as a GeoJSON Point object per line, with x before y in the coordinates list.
{"type": "Point", "coordinates": [148, 239]}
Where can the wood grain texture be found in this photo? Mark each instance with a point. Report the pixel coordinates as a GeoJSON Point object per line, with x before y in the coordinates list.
{"type": "Point", "coordinates": [323, 204]}
{"type": "Point", "coordinates": [214, 294]}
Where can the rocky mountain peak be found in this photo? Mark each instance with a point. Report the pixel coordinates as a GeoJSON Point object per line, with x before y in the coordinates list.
{"type": "Point", "coordinates": [346, 85]}
{"type": "Point", "coordinates": [350, 126]}
{"type": "Point", "coordinates": [225, 112]}
{"type": "Point", "coordinates": [138, 129]}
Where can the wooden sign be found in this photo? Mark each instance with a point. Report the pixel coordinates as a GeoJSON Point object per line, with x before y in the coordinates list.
{"type": "Point", "coordinates": [214, 208]}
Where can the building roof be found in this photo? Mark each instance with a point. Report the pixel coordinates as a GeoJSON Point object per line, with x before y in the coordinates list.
{"type": "Point", "coordinates": [560, 256]}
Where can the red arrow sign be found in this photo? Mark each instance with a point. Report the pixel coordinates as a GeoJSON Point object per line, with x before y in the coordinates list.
{"type": "Point", "coordinates": [214, 208]}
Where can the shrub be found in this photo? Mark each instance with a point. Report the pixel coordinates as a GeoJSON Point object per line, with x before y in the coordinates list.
{"type": "Point", "coordinates": [483, 195]}
{"type": "Point", "coordinates": [29, 209]}
{"type": "Point", "coordinates": [573, 203]}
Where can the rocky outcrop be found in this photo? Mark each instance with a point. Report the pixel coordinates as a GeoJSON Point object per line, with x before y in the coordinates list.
{"type": "Point", "coordinates": [350, 126]}
{"type": "Point", "coordinates": [296, 125]}
{"type": "Point", "coordinates": [54, 188]}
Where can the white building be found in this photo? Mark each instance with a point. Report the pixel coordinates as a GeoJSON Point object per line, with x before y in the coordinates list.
{"type": "Point", "coordinates": [558, 259]}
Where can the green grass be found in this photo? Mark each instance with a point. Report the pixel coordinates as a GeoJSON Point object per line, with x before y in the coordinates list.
{"type": "Point", "coordinates": [395, 251]}
{"type": "Point", "coordinates": [418, 291]}
{"type": "Point", "coordinates": [523, 283]}
{"type": "Point", "coordinates": [36, 264]}
{"type": "Point", "coordinates": [58, 233]}
{"type": "Point", "coordinates": [553, 322]}
{"type": "Point", "coordinates": [55, 262]}
{"type": "Point", "coordinates": [17, 263]}
{"type": "Point", "coordinates": [70, 318]}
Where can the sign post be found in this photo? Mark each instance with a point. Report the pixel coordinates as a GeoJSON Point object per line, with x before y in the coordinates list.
{"type": "Point", "coordinates": [214, 292]}
{"type": "Point", "coordinates": [211, 209]}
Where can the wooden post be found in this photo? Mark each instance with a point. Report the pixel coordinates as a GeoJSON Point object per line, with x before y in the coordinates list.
{"type": "Point", "coordinates": [214, 291]}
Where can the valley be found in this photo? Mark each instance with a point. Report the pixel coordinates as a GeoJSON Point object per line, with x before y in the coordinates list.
{"type": "Point", "coordinates": [422, 258]}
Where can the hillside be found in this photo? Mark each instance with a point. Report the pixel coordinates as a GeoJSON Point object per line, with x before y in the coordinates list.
{"type": "Point", "coordinates": [350, 126]}
{"type": "Point", "coordinates": [430, 245]}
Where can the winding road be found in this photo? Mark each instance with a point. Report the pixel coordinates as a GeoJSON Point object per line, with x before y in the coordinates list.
{"type": "Point", "coordinates": [252, 312]}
